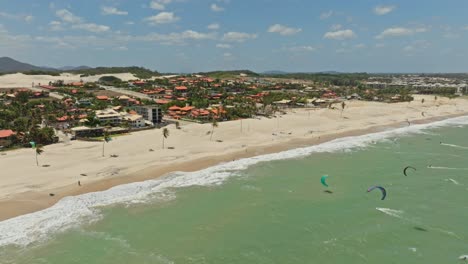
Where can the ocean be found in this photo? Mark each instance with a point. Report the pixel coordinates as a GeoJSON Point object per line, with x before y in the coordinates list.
{"type": "Point", "coordinates": [273, 208]}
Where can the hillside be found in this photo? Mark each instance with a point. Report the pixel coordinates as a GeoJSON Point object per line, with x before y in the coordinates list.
{"type": "Point", "coordinates": [9, 65]}
{"type": "Point", "coordinates": [229, 74]}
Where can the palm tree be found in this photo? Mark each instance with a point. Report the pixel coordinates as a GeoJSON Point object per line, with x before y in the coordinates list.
{"type": "Point", "coordinates": [165, 134]}
{"type": "Point", "coordinates": [213, 125]}
{"type": "Point", "coordinates": [39, 151]}
{"type": "Point", "coordinates": [106, 139]}
{"type": "Point", "coordinates": [343, 105]}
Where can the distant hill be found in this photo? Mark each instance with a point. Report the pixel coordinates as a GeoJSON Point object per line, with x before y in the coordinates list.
{"type": "Point", "coordinates": [73, 68]}
{"type": "Point", "coordinates": [229, 74]}
{"type": "Point", "coordinates": [274, 72]}
{"type": "Point", "coordinates": [9, 65]}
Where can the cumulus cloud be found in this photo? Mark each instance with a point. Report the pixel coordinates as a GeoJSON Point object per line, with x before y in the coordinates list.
{"type": "Point", "coordinates": [283, 30]}
{"type": "Point", "coordinates": [159, 4]}
{"type": "Point", "coordinates": [400, 32]}
{"type": "Point", "coordinates": [326, 15]}
{"type": "Point", "coordinates": [302, 48]}
{"type": "Point", "coordinates": [91, 27]}
{"type": "Point", "coordinates": [336, 27]}
{"type": "Point", "coordinates": [340, 34]}
{"type": "Point", "coordinates": [175, 38]}
{"type": "Point", "coordinates": [238, 36]}
{"type": "Point", "coordinates": [56, 26]}
{"type": "Point", "coordinates": [162, 18]}
{"type": "Point", "coordinates": [213, 26]}
{"type": "Point", "coordinates": [360, 46]}
{"type": "Point", "coordinates": [107, 10]}
{"type": "Point", "coordinates": [383, 10]}
{"type": "Point", "coordinates": [223, 46]}
{"type": "Point", "coordinates": [67, 16]}
{"type": "Point", "coordinates": [216, 8]}
{"type": "Point", "coordinates": [25, 18]}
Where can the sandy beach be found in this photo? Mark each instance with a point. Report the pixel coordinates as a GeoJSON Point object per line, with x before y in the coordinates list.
{"type": "Point", "coordinates": [25, 187]}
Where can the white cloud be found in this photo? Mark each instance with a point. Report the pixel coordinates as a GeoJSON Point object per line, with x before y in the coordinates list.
{"type": "Point", "coordinates": [91, 27]}
{"type": "Point", "coordinates": [360, 46]}
{"type": "Point", "coordinates": [159, 4]}
{"type": "Point", "coordinates": [227, 54]}
{"type": "Point", "coordinates": [408, 48]}
{"type": "Point", "coordinates": [302, 48]}
{"type": "Point", "coordinates": [326, 15]}
{"type": "Point", "coordinates": [173, 38]}
{"type": "Point", "coordinates": [67, 16]}
{"type": "Point", "coordinates": [223, 46]}
{"type": "Point", "coordinates": [107, 10]}
{"type": "Point", "coordinates": [216, 8]}
{"type": "Point", "coordinates": [238, 36]}
{"type": "Point", "coordinates": [340, 34]}
{"type": "Point", "coordinates": [283, 30]}
{"type": "Point", "coordinates": [400, 31]}
{"type": "Point", "coordinates": [129, 23]}
{"type": "Point", "coordinates": [162, 18]}
{"type": "Point", "coordinates": [121, 48]}
{"type": "Point", "coordinates": [213, 26]}
{"type": "Point", "coordinates": [336, 27]}
{"type": "Point", "coordinates": [383, 10]}
{"type": "Point", "coordinates": [56, 26]}
{"type": "Point", "coordinates": [380, 45]}
{"type": "Point", "coordinates": [26, 18]}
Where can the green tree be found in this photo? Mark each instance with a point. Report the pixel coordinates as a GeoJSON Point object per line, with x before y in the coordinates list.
{"type": "Point", "coordinates": [39, 151]}
{"type": "Point", "coordinates": [165, 134]}
{"type": "Point", "coordinates": [213, 125]}
{"type": "Point", "coordinates": [343, 105]}
{"type": "Point", "coordinates": [106, 139]}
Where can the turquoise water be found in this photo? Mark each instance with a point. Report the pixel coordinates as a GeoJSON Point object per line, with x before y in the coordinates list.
{"type": "Point", "coordinates": [278, 212]}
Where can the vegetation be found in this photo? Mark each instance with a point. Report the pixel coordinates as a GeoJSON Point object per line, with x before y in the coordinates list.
{"type": "Point", "coordinates": [39, 72]}
{"type": "Point", "coordinates": [229, 74]}
{"type": "Point", "coordinates": [213, 125]}
{"type": "Point", "coordinates": [165, 134]}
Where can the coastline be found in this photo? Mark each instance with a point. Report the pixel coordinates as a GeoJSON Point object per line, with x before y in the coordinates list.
{"type": "Point", "coordinates": [29, 202]}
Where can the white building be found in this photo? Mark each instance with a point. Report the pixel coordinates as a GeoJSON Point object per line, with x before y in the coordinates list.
{"type": "Point", "coordinates": [109, 116]}
{"type": "Point", "coordinates": [151, 113]}
{"type": "Point", "coordinates": [135, 121]}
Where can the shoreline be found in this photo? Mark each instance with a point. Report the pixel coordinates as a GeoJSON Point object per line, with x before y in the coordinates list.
{"type": "Point", "coordinates": [30, 202]}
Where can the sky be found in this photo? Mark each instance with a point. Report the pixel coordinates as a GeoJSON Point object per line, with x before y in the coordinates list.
{"type": "Point", "coordinates": [260, 35]}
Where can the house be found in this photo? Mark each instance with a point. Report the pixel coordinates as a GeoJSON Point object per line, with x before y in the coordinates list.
{"type": "Point", "coordinates": [6, 137]}
{"type": "Point", "coordinates": [102, 97]}
{"type": "Point", "coordinates": [109, 116]}
{"type": "Point", "coordinates": [151, 113]}
{"type": "Point", "coordinates": [82, 131]}
{"type": "Point", "coordinates": [134, 120]}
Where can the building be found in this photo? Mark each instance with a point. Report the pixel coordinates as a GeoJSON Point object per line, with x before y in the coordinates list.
{"type": "Point", "coordinates": [109, 116]}
{"type": "Point", "coordinates": [134, 121]}
{"type": "Point", "coordinates": [83, 132]}
{"type": "Point", "coordinates": [151, 113]}
{"type": "Point", "coordinates": [6, 137]}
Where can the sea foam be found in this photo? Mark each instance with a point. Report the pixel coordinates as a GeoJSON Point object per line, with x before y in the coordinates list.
{"type": "Point", "coordinates": [76, 210]}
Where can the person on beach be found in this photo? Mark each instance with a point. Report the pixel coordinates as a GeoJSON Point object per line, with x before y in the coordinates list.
{"type": "Point", "coordinates": [79, 183]}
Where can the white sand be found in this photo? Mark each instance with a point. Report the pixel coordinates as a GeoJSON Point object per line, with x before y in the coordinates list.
{"type": "Point", "coordinates": [67, 161]}
{"type": "Point", "coordinates": [19, 80]}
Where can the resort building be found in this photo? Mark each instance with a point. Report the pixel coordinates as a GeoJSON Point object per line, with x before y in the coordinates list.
{"type": "Point", "coordinates": [151, 113]}
{"type": "Point", "coordinates": [134, 121]}
{"type": "Point", "coordinates": [109, 116]}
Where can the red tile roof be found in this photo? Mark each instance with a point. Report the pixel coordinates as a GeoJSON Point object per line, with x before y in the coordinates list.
{"type": "Point", "coordinates": [181, 88]}
{"type": "Point", "coordinates": [6, 133]}
{"type": "Point", "coordinates": [174, 108]}
{"type": "Point", "coordinates": [102, 97]}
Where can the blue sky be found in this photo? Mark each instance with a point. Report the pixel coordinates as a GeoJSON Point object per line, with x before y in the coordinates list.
{"type": "Point", "coordinates": [261, 35]}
